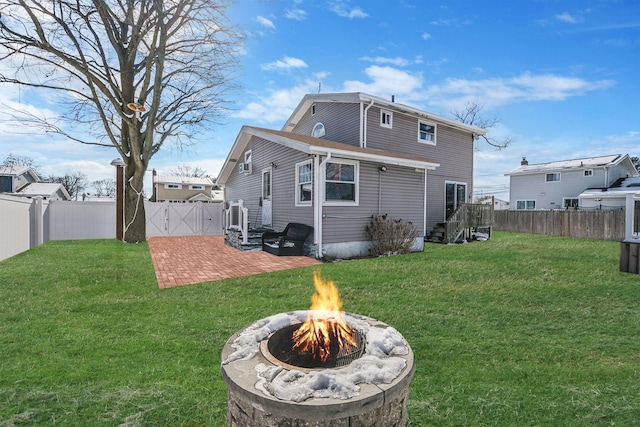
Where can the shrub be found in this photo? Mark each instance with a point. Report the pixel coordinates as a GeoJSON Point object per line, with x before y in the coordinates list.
{"type": "Point", "coordinates": [390, 236]}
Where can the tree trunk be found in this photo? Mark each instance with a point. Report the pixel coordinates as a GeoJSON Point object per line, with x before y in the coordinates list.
{"type": "Point", "coordinates": [134, 212]}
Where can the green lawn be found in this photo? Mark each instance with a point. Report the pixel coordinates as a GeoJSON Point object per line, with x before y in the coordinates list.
{"type": "Point", "coordinates": [521, 330]}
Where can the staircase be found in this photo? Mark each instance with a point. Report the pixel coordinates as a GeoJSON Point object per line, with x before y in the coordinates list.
{"type": "Point", "coordinates": [254, 240]}
{"type": "Point", "coordinates": [460, 223]}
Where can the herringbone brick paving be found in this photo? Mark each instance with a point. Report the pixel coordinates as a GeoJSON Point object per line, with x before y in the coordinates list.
{"type": "Point", "coordinates": [195, 259]}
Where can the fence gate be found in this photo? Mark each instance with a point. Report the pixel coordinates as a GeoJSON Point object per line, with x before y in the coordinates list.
{"type": "Point", "coordinates": [184, 219]}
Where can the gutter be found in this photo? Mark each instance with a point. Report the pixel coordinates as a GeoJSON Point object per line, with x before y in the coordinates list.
{"type": "Point", "coordinates": [363, 127]}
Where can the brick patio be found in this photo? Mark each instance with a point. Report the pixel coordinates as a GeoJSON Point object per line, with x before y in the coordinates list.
{"type": "Point", "coordinates": [195, 259]}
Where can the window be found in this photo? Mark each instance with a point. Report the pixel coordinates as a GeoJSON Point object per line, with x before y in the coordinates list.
{"type": "Point", "coordinates": [173, 186]}
{"type": "Point", "coordinates": [313, 109]}
{"type": "Point", "coordinates": [570, 202]}
{"type": "Point", "coordinates": [318, 131]}
{"type": "Point", "coordinates": [341, 184]}
{"type": "Point", "coordinates": [247, 156]}
{"type": "Point", "coordinates": [386, 119]}
{"type": "Point", "coordinates": [553, 177]}
{"type": "Point", "coordinates": [427, 133]}
{"type": "Point", "coordinates": [196, 187]}
{"type": "Point", "coordinates": [526, 204]}
{"type": "Point", "coordinates": [304, 187]}
{"type": "Point", "coordinates": [588, 172]}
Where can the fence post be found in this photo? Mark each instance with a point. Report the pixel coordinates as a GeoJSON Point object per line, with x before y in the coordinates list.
{"type": "Point", "coordinates": [38, 221]}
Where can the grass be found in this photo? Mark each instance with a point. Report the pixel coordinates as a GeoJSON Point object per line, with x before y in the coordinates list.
{"type": "Point", "coordinates": [521, 330]}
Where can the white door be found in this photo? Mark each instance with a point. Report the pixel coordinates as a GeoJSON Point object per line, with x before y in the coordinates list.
{"type": "Point", "coordinates": [267, 217]}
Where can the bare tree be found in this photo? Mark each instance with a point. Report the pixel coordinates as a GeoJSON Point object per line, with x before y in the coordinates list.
{"type": "Point", "coordinates": [104, 187]}
{"type": "Point", "coordinates": [134, 74]}
{"type": "Point", "coordinates": [75, 183]}
{"type": "Point", "coordinates": [636, 162]}
{"type": "Point", "coordinates": [471, 115]}
{"type": "Point", "coordinates": [191, 171]}
{"type": "Point", "coordinates": [14, 160]}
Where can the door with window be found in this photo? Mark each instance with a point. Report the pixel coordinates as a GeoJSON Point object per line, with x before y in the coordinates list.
{"type": "Point", "coordinates": [267, 210]}
{"type": "Point", "coordinates": [456, 195]}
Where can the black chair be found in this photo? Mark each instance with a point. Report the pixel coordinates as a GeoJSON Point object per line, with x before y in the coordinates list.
{"type": "Point", "coordinates": [288, 242]}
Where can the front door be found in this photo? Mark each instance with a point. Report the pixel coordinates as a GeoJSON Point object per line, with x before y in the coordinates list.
{"type": "Point", "coordinates": [456, 194]}
{"type": "Point", "coordinates": [267, 219]}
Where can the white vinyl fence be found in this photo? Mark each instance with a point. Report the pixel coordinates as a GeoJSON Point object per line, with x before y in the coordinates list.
{"type": "Point", "coordinates": [26, 223]}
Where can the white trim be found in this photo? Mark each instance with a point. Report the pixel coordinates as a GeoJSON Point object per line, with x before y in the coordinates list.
{"type": "Point", "coordinates": [553, 180]}
{"type": "Point", "coordinates": [299, 202]}
{"type": "Point", "coordinates": [435, 130]}
{"type": "Point", "coordinates": [356, 183]}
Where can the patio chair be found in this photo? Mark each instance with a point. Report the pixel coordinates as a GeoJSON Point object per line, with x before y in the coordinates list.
{"type": "Point", "coordinates": [288, 242]}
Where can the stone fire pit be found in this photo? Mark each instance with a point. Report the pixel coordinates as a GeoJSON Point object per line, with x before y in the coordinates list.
{"type": "Point", "coordinates": [369, 391]}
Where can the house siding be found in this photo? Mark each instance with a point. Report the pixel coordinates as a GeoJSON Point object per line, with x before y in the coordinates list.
{"type": "Point", "coordinates": [341, 122]}
{"type": "Point", "coordinates": [184, 194]}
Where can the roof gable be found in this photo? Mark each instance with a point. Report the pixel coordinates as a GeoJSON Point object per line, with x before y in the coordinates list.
{"type": "Point", "coordinates": [185, 180]}
{"type": "Point", "coordinates": [359, 97]}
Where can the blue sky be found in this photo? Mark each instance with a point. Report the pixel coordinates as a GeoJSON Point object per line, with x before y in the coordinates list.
{"type": "Point", "coordinates": [562, 77]}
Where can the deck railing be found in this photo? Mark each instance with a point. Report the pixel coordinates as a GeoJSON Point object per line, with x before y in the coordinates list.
{"type": "Point", "coordinates": [467, 216]}
{"type": "Point", "coordinates": [237, 218]}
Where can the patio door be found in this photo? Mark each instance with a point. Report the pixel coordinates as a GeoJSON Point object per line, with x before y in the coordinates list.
{"type": "Point", "coordinates": [456, 194]}
{"type": "Point", "coordinates": [267, 212]}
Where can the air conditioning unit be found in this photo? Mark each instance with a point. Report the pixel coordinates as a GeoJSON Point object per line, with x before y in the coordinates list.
{"type": "Point", "coordinates": [244, 168]}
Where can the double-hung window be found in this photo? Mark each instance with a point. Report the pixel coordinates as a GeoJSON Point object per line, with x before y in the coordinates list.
{"type": "Point", "coordinates": [553, 177]}
{"type": "Point", "coordinates": [427, 133]}
{"type": "Point", "coordinates": [304, 183]}
{"type": "Point", "coordinates": [341, 182]}
{"type": "Point", "coordinates": [386, 119]}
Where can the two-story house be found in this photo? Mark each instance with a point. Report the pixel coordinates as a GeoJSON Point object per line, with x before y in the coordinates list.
{"type": "Point", "coordinates": [341, 158]}
{"type": "Point", "coordinates": [181, 189]}
{"type": "Point", "coordinates": [558, 185]}
{"type": "Point", "coordinates": [23, 181]}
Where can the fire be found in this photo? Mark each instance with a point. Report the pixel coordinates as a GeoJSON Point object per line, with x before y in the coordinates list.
{"type": "Point", "coordinates": [325, 330]}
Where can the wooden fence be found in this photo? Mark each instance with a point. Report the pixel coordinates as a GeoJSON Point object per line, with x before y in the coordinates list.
{"type": "Point", "coordinates": [597, 224]}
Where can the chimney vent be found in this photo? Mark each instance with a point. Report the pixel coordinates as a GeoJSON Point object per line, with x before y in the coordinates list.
{"type": "Point", "coordinates": [524, 162]}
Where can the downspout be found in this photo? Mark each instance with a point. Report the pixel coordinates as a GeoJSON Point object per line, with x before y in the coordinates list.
{"type": "Point", "coordinates": [424, 226]}
{"type": "Point", "coordinates": [363, 132]}
{"type": "Point", "coordinates": [319, 195]}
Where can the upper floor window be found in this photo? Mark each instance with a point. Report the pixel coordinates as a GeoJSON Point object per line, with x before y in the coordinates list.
{"type": "Point", "coordinates": [196, 187]}
{"type": "Point", "coordinates": [341, 182]}
{"type": "Point", "coordinates": [553, 177]}
{"type": "Point", "coordinates": [386, 119]}
{"type": "Point", "coordinates": [318, 131]}
{"type": "Point", "coordinates": [173, 186]}
{"type": "Point", "coordinates": [525, 204]}
{"type": "Point", "coordinates": [427, 133]}
{"type": "Point", "coordinates": [304, 186]}
{"type": "Point", "coordinates": [588, 172]}
{"type": "Point", "coordinates": [247, 156]}
{"type": "Point", "coordinates": [313, 109]}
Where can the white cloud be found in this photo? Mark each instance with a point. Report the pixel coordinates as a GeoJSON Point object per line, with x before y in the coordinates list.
{"type": "Point", "coordinates": [344, 10]}
{"type": "Point", "coordinates": [296, 14]}
{"type": "Point", "coordinates": [265, 22]}
{"type": "Point", "coordinates": [386, 81]}
{"type": "Point", "coordinates": [426, 36]}
{"type": "Point", "coordinates": [397, 61]}
{"type": "Point", "coordinates": [278, 105]}
{"type": "Point", "coordinates": [287, 63]}
{"type": "Point", "coordinates": [454, 93]}
{"type": "Point", "coordinates": [566, 17]}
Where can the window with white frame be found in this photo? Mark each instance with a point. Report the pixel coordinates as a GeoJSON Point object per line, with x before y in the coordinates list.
{"type": "Point", "coordinates": [525, 204]}
{"type": "Point", "coordinates": [304, 183]}
{"type": "Point", "coordinates": [570, 202]}
{"type": "Point", "coordinates": [427, 133]}
{"type": "Point", "coordinates": [552, 177]}
{"type": "Point", "coordinates": [173, 186]}
{"type": "Point", "coordinates": [588, 172]}
{"type": "Point", "coordinates": [196, 187]}
{"type": "Point", "coordinates": [386, 119]}
{"type": "Point", "coordinates": [341, 182]}
{"type": "Point", "coordinates": [247, 156]}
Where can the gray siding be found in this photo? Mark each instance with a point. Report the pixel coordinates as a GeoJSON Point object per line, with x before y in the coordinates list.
{"type": "Point", "coordinates": [341, 122]}
{"type": "Point", "coordinates": [453, 150]}
{"type": "Point", "coordinates": [549, 195]}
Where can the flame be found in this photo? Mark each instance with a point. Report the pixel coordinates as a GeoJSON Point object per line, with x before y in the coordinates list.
{"type": "Point", "coordinates": [325, 326]}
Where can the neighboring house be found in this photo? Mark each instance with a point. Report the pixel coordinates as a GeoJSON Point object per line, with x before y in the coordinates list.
{"type": "Point", "coordinates": [181, 189]}
{"type": "Point", "coordinates": [613, 197]}
{"type": "Point", "coordinates": [23, 181]}
{"type": "Point", "coordinates": [498, 204]}
{"type": "Point", "coordinates": [558, 185]}
{"type": "Point", "coordinates": [342, 158]}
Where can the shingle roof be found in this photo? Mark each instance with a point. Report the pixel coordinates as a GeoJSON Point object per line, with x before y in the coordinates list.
{"type": "Point", "coordinates": [187, 180]}
{"type": "Point", "coordinates": [585, 163]}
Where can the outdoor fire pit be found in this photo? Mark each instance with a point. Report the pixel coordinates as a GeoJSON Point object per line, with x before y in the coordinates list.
{"type": "Point", "coordinates": [317, 368]}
